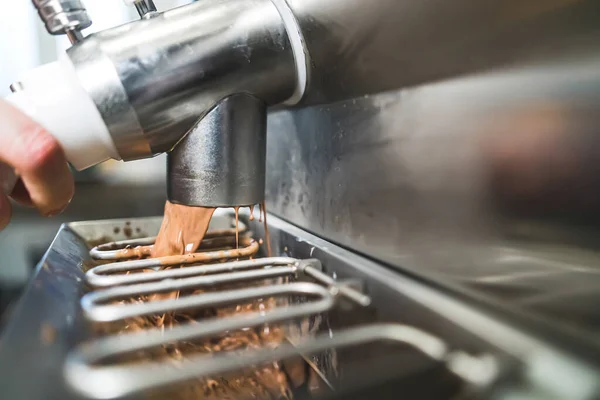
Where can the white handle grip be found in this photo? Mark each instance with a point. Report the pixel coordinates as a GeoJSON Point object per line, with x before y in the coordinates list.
{"type": "Point", "coordinates": [53, 97]}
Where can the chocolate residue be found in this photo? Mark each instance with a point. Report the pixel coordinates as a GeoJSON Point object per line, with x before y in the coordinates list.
{"type": "Point", "coordinates": [181, 233]}
{"type": "Point", "coordinates": [182, 229]}
{"type": "Point", "coordinates": [127, 231]}
{"type": "Point", "coordinates": [116, 230]}
{"type": "Point", "coordinates": [134, 252]}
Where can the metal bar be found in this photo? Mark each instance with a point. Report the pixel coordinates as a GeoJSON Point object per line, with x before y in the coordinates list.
{"type": "Point", "coordinates": [93, 275]}
{"type": "Point", "coordinates": [97, 276]}
{"type": "Point", "coordinates": [74, 35]}
{"type": "Point", "coordinates": [132, 342]}
{"type": "Point", "coordinates": [93, 310]}
{"type": "Point", "coordinates": [308, 267]}
{"type": "Point", "coordinates": [131, 251]}
{"type": "Point", "coordinates": [116, 250]}
{"type": "Point", "coordinates": [109, 382]}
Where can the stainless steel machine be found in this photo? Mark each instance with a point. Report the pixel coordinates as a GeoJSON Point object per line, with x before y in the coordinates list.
{"type": "Point", "coordinates": [438, 159]}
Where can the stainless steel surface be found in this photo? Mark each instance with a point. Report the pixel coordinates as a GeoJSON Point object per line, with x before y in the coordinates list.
{"type": "Point", "coordinates": [221, 162]}
{"type": "Point", "coordinates": [486, 185]}
{"type": "Point", "coordinates": [543, 369]}
{"type": "Point", "coordinates": [541, 357]}
{"type": "Point", "coordinates": [63, 17]}
{"type": "Point", "coordinates": [153, 79]}
{"type": "Point", "coordinates": [360, 47]}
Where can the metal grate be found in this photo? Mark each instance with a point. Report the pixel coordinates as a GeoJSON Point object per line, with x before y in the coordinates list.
{"type": "Point", "coordinates": [93, 373]}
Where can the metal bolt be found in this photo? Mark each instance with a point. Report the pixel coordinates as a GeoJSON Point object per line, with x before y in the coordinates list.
{"type": "Point", "coordinates": [16, 87]}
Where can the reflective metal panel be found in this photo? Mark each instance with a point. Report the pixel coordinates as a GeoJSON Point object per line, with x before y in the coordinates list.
{"type": "Point", "coordinates": [487, 184]}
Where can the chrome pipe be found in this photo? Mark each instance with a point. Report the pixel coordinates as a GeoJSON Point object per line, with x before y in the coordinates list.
{"type": "Point", "coordinates": [221, 163]}
{"type": "Point", "coordinates": [63, 17]}
{"type": "Point", "coordinates": [153, 79]}
{"type": "Point", "coordinates": [95, 309]}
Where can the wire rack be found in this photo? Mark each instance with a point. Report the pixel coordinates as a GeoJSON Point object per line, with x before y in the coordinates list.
{"type": "Point", "coordinates": [92, 369]}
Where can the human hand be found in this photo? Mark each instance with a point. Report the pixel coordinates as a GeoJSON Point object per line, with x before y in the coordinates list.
{"type": "Point", "coordinates": [45, 181]}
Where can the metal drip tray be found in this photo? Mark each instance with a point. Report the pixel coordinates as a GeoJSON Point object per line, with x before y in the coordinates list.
{"type": "Point", "coordinates": [362, 330]}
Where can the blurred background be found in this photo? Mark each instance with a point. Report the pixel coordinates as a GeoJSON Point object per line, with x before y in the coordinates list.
{"type": "Point", "coordinates": [111, 190]}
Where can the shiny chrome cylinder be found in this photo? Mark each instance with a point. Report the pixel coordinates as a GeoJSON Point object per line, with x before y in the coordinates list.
{"type": "Point", "coordinates": [63, 17]}
{"type": "Point", "coordinates": [153, 79]}
{"type": "Point", "coordinates": [360, 47]}
{"type": "Point", "coordinates": [221, 163]}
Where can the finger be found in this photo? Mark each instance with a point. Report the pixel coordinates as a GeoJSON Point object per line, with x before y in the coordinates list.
{"type": "Point", "coordinates": [5, 211]}
{"type": "Point", "coordinates": [37, 158]}
{"type": "Point", "coordinates": [21, 195]}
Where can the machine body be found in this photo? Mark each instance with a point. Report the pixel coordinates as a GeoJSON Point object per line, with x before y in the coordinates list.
{"type": "Point", "coordinates": [201, 75]}
{"type": "Point", "coordinates": [151, 81]}
{"type": "Point", "coordinates": [454, 142]}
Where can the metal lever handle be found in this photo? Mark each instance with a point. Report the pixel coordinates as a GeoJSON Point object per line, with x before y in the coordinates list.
{"type": "Point", "coordinates": [8, 178]}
